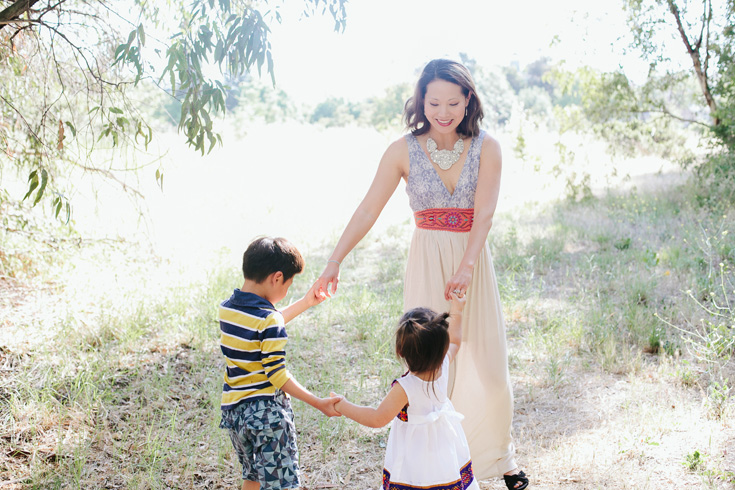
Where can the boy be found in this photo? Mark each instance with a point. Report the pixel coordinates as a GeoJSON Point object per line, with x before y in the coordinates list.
{"type": "Point", "coordinates": [255, 404]}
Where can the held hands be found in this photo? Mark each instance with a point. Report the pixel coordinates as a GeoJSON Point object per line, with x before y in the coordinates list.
{"type": "Point", "coordinates": [328, 405]}
{"type": "Point", "coordinates": [340, 398]}
{"type": "Point", "coordinates": [459, 283]}
{"type": "Point", "coordinates": [330, 276]}
{"type": "Point", "coordinates": [313, 298]}
{"type": "Point", "coordinates": [458, 303]}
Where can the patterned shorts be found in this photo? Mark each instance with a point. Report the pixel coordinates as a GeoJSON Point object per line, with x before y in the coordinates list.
{"type": "Point", "coordinates": [264, 437]}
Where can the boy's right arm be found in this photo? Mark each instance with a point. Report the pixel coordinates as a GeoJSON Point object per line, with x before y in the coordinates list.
{"type": "Point", "coordinates": [324, 405]}
{"type": "Point", "coordinates": [393, 402]}
{"type": "Point", "coordinates": [309, 299]}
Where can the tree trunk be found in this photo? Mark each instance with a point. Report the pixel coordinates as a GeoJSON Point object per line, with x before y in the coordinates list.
{"type": "Point", "coordinates": [694, 54]}
{"type": "Point", "coordinates": [15, 10]}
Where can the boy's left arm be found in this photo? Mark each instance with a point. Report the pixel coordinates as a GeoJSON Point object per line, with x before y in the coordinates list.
{"type": "Point", "coordinates": [295, 309]}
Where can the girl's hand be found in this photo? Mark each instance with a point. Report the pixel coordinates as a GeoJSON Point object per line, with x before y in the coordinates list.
{"type": "Point", "coordinates": [339, 398]}
{"type": "Point", "coordinates": [329, 276]}
{"type": "Point", "coordinates": [457, 303]}
{"type": "Point", "coordinates": [458, 284]}
{"type": "Point", "coordinates": [328, 406]}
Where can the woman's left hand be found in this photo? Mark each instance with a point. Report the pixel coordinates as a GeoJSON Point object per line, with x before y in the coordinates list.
{"type": "Point", "coordinates": [459, 283]}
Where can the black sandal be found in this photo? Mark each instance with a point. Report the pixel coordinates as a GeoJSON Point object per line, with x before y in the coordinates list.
{"type": "Point", "coordinates": [512, 480]}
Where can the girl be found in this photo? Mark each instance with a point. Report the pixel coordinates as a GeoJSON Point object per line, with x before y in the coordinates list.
{"type": "Point", "coordinates": [427, 448]}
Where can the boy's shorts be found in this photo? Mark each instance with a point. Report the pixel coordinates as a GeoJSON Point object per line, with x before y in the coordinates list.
{"type": "Point", "coordinates": [264, 437]}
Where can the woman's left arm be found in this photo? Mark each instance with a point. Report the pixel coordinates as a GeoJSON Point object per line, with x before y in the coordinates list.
{"type": "Point", "coordinates": [486, 200]}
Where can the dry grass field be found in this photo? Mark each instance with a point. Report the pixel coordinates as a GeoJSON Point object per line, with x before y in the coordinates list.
{"type": "Point", "coordinates": [617, 309]}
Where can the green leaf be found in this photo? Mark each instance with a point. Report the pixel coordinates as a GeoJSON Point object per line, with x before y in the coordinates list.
{"type": "Point", "coordinates": [42, 188]}
{"type": "Point", "coordinates": [141, 35]}
{"type": "Point", "coordinates": [115, 110]}
{"type": "Point", "coordinates": [71, 128]}
{"type": "Point", "coordinates": [33, 179]}
{"type": "Point", "coordinates": [118, 52]}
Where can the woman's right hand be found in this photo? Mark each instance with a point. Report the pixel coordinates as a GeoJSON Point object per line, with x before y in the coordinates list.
{"type": "Point", "coordinates": [327, 282]}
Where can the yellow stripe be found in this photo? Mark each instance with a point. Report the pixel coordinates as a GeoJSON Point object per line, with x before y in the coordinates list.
{"type": "Point", "coordinates": [235, 396]}
{"type": "Point", "coordinates": [238, 343]}
{"type": "Point", "coordinates": [253, 378]}
{"type": "Point", "coordinates": [280, 378]}
{"type": "Point", "coordinates": [245, 320]}
{"type": "Point", "coordinates": [247, 366]}
{"type": "Point", "coordinates": [273, 345]}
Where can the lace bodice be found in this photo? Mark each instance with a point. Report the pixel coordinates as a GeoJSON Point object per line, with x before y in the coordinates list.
{"type": "Point", "coordinates": [425, 188]}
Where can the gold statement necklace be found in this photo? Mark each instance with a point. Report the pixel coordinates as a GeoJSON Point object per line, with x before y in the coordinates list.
{"type": "Point", "coordinates": [444, 158]}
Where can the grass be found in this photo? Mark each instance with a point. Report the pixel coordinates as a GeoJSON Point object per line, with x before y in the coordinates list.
{"type": "Point", "coordinates": [620, 335]}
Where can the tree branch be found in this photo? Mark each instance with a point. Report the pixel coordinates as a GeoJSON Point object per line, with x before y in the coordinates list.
{"type": "Point", "coordinates": [15, 10]}
{"type": "Point", "coordinates": [696, 60]}
{"type": "Point", "coordinates": [666, 111]}
{"type": "Point", "coordinates": [30, 128]}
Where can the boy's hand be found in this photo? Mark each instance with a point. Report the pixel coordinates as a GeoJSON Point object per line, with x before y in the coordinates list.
{"type": "Point", "coordinates": [457, 303]}
{"type": "Point", "coordinates": [327, 406]}
{"type": "Point", "coordinates": [313, 298]}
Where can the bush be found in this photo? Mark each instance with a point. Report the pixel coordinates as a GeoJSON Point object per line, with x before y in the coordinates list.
{"type": "Point", "coordinates": [714, 181]}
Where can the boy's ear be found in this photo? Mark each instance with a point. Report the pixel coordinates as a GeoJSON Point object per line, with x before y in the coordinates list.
{"type": "Point", "coordinates": [277, 277]}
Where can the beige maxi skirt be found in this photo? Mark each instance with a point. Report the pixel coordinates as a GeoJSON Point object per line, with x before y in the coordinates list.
{"type": "Point", "coordinates": [479, 382]}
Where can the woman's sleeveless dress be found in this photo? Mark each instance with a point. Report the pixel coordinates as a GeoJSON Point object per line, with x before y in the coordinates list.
{"type": "Point", "coordinates": [479, 382]}
{"type": "Point", "coordinates": [427, 448]}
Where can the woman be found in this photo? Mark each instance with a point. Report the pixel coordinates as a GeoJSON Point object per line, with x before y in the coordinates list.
{"type": "Point", "coordinates": [452, 172]}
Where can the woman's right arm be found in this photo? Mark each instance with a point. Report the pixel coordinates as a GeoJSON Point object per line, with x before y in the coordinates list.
{"type": "Point", "coordinates": [393, 166]}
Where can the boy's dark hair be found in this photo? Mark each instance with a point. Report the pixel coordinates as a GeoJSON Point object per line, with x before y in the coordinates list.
{"type": "Point", "coordinates": [266, 255]}
{"type": "Point", "coordinates": [422, 339]}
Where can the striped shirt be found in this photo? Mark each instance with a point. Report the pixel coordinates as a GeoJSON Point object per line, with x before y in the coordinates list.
{"type": "Point", "coordinates": [253, 341]}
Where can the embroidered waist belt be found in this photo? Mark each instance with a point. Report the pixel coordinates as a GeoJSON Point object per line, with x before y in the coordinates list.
{"type": "Point", "coordinates": [447, 219]}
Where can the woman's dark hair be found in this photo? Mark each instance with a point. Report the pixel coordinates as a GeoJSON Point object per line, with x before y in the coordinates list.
{"type": "Point", "coordinates": [422, 339]}
{"type": "Point", "coordinates": [450, 71]}
{"type": "Point", "coordinates": [266, 255]}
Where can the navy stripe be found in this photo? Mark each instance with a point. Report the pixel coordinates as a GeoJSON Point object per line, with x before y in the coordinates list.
{"type": "Point", "coordinates": [236, 372]}
{"type": "Point", "coordinates": [240, 355]}
{"type": "Point", "coordinates": [238, 331]}
{"type": "Point", "coordinates": [271, 373]}
{"type": "Point", "coordinates": [245, 301]}
{"type": "Point", "coordinates": [255, 387]}
{"type": "Point", "coordinates": [274, 331]}
{"type": "Point", "coordinates": [266, 355]}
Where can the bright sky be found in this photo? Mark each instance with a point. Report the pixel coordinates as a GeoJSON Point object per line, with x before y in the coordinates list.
{"type": "Point", "coordinates": [386, 41]}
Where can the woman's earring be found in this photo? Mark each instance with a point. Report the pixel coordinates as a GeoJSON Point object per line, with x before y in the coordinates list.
{"type": "Point", "coordinates": [465, 111]}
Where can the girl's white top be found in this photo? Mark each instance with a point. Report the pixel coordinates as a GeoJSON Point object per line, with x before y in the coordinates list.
{"type": "Point", "coordinates": [428, 449]}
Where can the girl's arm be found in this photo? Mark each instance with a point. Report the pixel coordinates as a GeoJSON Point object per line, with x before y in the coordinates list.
{"type": "Point", "coordinates": [391, 405]}
{"type": "Point", "coordinates": [393, 166]}
{"type": "Point", "coordinates": [455, 325]}
{"type": "Point", "coordinates": [486, 200]}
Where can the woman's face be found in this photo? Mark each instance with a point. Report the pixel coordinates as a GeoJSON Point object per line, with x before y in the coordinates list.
{"type": "Point", "coordinates": [444, 105]}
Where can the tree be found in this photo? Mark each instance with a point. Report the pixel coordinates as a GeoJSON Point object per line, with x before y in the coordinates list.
{"type": "Point", "coordinates": [72, 70]}
{"type": "Point", "coordinates": [704, 31]}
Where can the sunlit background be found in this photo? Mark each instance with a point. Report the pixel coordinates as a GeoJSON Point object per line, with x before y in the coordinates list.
{"type": "Point", "coordinates": [302, 180]}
